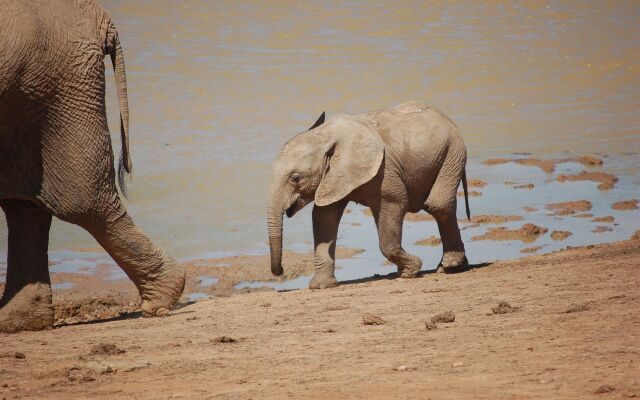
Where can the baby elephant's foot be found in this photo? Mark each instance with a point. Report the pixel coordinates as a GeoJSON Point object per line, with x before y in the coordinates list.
{"type": "Point", "coordinates": [411, 267]}
{"type": "Point", "coordinates": [452, 260]}
{"type": "Point", "coordinates": [28, 310]}
{"type": "Point", "coordinates": [321, 281]}
{"type": "Point", "coordinates": [160, 295]}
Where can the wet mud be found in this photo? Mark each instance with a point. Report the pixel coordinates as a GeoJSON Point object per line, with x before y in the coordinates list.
{"type": "Point", "coordinates": [527, 233]}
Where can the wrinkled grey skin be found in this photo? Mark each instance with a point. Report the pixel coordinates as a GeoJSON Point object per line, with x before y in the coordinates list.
{"type": "Point", "coordinates": [56, 156]}
{"type": "Point", "coordinates": [404, 159]}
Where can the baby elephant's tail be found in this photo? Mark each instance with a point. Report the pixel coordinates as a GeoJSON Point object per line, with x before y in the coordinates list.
{"type": "Point", "coordinates": [466, 195]}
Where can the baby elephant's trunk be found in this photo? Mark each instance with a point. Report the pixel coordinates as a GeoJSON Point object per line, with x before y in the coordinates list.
{"type": "Point", "coordinates": [274, 223]}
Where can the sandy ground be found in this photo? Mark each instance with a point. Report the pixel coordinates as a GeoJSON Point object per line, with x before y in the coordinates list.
{"type": "Point", "coordinates": [570, 330]}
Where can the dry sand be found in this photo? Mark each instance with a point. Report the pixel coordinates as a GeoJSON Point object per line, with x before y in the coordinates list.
{"type": "Point", "coordinates": [574, 335]}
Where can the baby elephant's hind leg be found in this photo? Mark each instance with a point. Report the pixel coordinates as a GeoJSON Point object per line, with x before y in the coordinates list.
{"type": "Point", "coordinates": [442, 205]}
{"type": "Point", "coordinates": [389, 221]}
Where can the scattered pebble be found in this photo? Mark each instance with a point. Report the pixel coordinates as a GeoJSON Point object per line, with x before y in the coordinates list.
{"type": "Point", "coordinates": [402, 368]}
{"type": "Point", "coordinates": [604, 389]}
{"type": "Point", "coordinates": [370, 319]}
{"type": "Point", "coordinates": [574, 308]}
{"type": "Point", "coordinates": [430, 325]}
{"type": "Point", "coordinates": [503, 308]}
{"type": "Point", "coordinates": [13, 354]}
{"type": "Point", "coordinates": [105, 349]}
{"type": "Point", "coordinates": [445, 317]}
{"type": "Point", "coordinates": [223, 339]}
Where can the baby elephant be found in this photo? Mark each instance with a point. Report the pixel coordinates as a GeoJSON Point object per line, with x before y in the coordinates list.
{"type": "Point", "coordinates": [404, 159]}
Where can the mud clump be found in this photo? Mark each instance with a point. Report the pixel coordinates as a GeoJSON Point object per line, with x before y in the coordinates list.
{"type": "Point", "coordinates": [608, 219]}
{"type": "Point", "coordinates": [415, 217]}
{"type": "Point", "coordinates": [430, 241]}
{"type": "Point", "coordinates": [547, 166]}
{"type": "Point", "coordinates": [529, 209]}
{"type": "Point", "coordinates": [471, 193]}
{"type": "Point", "coordinates": [445, 317]}
{"type": "Point", "coordinates": [625, 205]}
{"type": "Point", "coordinates": [370, 319]}
{"type": "Point", "coordinates": [94, 309]}
{"type": "Point", "coordinates": [430, 325]}
{"type": "Point", "coordinates": [527, 233]}
{"type": "Point", "coordinates": [607, 181]}
{"type": "Point", "coordinates": [494, 219]}
{"type": "Point", "coordinates": [635, 236]}
{"type": "Point", "coordinates": [13, 354]}
{"type": "Point", "coordinates": [604, 389]}
{"type": "Point", "coordinates": [476, 183]}
{"type": "Point", "coordinates": [569, 207]}
{"type": "Point", "coordinates": [601, 229]}
{"type": "Point", "coordinates": [575, 308]}
{"type": "Point", "coordinates": [560, 235]}
{"type": "Point", "coordinates": [412, 217]}
{"type": "Point", "coordinates": [525, 186]}
{"type": "Point", "coordinates": [80, 375]}
{"type": "Point", "coordinates": [589, 161]}
{"type": "Point", "coordinates": [106, 349]}
{"type": "Point", "coordinates": [503, 308]}
{"type": "Point", "coordinates": [223, 339]}
{"type": "Point", "coordinates": [584, 215]}
{"type": "Point", "coordinates": [531, 249]}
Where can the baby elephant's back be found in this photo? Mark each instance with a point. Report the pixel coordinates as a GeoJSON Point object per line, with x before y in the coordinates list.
{"type": "Point", "coordinates": [417, 140]}
{"type": "Point", "coordinates": [415, 128]}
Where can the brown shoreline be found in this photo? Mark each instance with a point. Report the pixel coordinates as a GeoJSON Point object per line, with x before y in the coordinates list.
{"type": "Point", "coordinates": [566, 340]}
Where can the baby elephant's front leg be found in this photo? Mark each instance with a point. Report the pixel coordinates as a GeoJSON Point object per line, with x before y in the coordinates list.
{"type": "Point", "coordinates": [325, 231]}
{"type": "Point", "coordinates": [389, 222]}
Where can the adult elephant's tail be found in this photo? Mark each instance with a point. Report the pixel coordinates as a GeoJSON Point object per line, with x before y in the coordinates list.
{"type": "Point", "coordinates": [117, 59]}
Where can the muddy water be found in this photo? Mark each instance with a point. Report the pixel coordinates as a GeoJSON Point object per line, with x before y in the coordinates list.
{"type": "Point", "coordinates": [217, 87]}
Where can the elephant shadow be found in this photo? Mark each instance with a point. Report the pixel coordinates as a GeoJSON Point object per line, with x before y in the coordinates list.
{"type": "Point", "coordinates": [394, 275]}
{"type": "Point", "coordinates": [128, 315]}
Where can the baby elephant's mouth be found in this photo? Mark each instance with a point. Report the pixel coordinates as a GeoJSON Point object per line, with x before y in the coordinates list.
{"type": "Point", "coordinates": [295, 207]}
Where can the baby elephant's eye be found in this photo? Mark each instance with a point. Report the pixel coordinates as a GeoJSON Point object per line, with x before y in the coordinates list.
{"type": "Point", "coordinates": [295, 177]}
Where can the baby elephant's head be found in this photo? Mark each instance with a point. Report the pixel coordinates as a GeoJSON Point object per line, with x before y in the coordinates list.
{"type": "Point", "coordinates": [324, 165]}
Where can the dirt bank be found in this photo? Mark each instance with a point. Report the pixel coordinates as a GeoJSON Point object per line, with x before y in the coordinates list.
{"type": "Point", "coordinates": [574, 333]}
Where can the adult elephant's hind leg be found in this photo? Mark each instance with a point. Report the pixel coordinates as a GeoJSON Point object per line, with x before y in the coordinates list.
{"type": "Point", "coordinates": [26, 302]}
{"type": "Point", "coordinates": [157, 276]}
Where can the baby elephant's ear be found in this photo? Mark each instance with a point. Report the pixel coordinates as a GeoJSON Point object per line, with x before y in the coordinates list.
{"type": "Point", "coordinates": [352, 158]}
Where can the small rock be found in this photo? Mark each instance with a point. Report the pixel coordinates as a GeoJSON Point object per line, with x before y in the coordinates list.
{"type": "Point", "coordinates": [604, 389]}
{"type": "Point", "coordinates": [430, 325]}
{"type": "Point", "coordinates": [402, 368]}
{"type": "Point", "coordinates": [223, 339]}
{"type": "Point", "coordinates": [370, 319]}
{"type": "Point", "coordinates": [457, 364]}
{"type": "Point", "coordinates": [445, 317]}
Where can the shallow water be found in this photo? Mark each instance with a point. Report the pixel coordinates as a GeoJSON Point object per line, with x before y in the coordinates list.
{"type": "Point", "coordinates": [216, 88]}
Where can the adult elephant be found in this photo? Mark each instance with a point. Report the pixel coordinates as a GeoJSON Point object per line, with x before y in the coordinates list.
{"type": "Point", "coordinates": [404, 159]}
{"type": "Point", "coordinates": [56, 156]}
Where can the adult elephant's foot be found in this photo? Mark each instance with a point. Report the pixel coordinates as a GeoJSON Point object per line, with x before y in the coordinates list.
{"type": "Point", "coordinates": [322, 281]}
{"type": "Point", "coordinates": [452, 260]}
{"type": "Point", "coordinates": [159, 295]}
{"type": "Point", "coordinates": [30, 309]}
